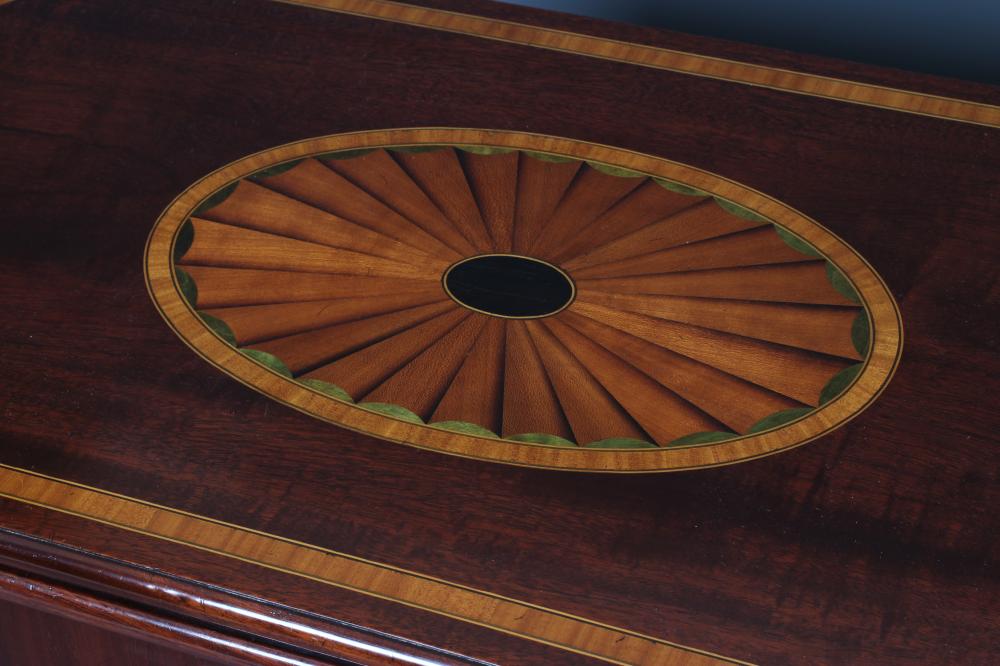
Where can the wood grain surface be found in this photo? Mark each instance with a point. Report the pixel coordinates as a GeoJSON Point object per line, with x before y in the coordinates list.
{"type": "Point", "coordinates": [658, 219]}
{"type": "Point", "coordinates": [873, 545]}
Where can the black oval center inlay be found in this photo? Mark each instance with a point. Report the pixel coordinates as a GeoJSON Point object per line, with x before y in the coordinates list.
{"type": "Point", "coordinates": [509, 286]}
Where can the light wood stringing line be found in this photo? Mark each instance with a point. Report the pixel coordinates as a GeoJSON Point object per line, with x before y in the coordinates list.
{"type": "Point", "coordinates": [503, 614]}
{"type": "Point", "coordinates": [733, 71]}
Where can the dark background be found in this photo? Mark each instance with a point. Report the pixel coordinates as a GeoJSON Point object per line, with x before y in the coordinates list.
{"type": "Point", "coordinates": [956, 38]}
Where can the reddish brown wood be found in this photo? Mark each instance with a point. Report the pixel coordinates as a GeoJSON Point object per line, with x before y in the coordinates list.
{"type": "Point", "coordinates": [34, 637]}
{"type": "Point", "coordinates": [87, 609]}
{"type": "Point", "coordinates": [205, 622]}
{"type": "Point", "coordinates": [873, 545]}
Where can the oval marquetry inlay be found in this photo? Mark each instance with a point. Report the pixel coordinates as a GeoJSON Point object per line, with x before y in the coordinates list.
{"type": "Point", "coordinates": [525, 299]}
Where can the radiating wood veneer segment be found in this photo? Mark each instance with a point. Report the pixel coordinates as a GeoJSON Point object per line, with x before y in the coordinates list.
{"type": "Point", "coordinates": [661, 412]}
{"type": "Point", "coordinates": [475, 395]}
{"type": "Point", "coordinates": [825, 329]}
{"type": "Point", "coordinates": [252, 206]}
{"type": "Point", "coordinates": [592, 412]}
{"type": "Point", "coordinates": [753, 247]}
{"type": "Point", "coordinates": [222, 245]}
{"type": "Point", "coordinates": [590, 194]}
{"type": "Point", "coordinates": [379, 175]}
{"type": "Point", "coordinates": [364, 370]}
{"type": "Point", "coordinates": [305, 351]}
{"type": "Point", "coordinates": [312, 182]}
{"type": "Point", "coordinates": [440, 175]}
{"type": "Point", "coordinates": [228, 287]}
{"type": "Point", "coordinates": [493, 180]}
{"type": "Point", "coordinates": [530, 404]}
{"type": "Point", "coordinates": [794, 373]}
{"type": "Point", "coordinates": [730, 400]}
{"type": "Point", "coordinates": [421, 383]}
{"type": "Point", "coordinates": [700, 220]}
{"type": "Point", "coordinates": [254, 323]}
{"type": "Point", "coordinates": [541, 186]}
{"type": "Point", "coordinates": [642, 206]}
{"type": "Point", "coordinates": [804, 282]}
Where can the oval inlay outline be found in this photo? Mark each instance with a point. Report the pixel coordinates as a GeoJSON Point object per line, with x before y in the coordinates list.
{"type": "Point", "coordinates": [882, 313]}
{"type": "Point", "coordinates": [497, 300]}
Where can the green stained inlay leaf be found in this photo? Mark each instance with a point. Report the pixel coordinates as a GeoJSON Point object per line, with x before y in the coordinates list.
{"type": "Point", "coordinates": [464, 428]}
{"type": "Point", "coordinates": [841, 283]}
{"type": "Point", "coordinates": [184, 240]}
{"type": "Point", "coordinates": [796, 243]}
{"type": "Point", "coordinates": [840, 381]}
{"type": "Point", "coordinates": [621, 443]}
{"type": "Point", "coordinates": [268, 360]}
{"type": "Point", "coordinates": [484, 150]}
{"type": "Point", "coordinates": [861, 333]}
{"type": "Point", "coordinates": [215, 199]}
{"type": "Point", "coordinates": [219, 327]}
{"type": "Point", "coordinates": [680, 189]}
{"type": "Point", "coordinates": [327, 388]}
{"type": "Point", "coordinates": [189, 290]}
{"type": "Point", "coordinates": [740, 211]}
{"type": "Point", "coordinates": [401, 413]}
{"type": "Point", "coordinates": [548, 157]}
{"type": "Point", "coordinates": [541, 438]}
{"type": "Point", "coordinates": [345, 154]}
{"type": "Point", "coordinates": [416, 149]}
{"type": "Point", "coordinates": [702, 438]}
{"type": "Point", "coordinates": [274, 170]}
{"type": "Point", "coordinates": [779, 419]}
{"type": "Point", "coordinates": [615, 171]}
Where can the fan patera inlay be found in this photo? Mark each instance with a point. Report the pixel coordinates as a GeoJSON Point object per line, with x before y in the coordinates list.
{"type": "Point", "coordinates": [524, 299]}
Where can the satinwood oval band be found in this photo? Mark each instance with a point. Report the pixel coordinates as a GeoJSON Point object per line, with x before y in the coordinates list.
{"type": "Point", "coordinates": [708, 323]}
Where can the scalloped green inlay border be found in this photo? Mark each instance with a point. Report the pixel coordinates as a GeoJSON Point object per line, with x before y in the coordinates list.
{"type": "Point", "coordinates": [214, 199]}
{"type": "Point", "coordinates": [703, 438]}
{"type": "Point", "coordinates": [269, 361]}
{"type": "Point", "coordinates": [739, 211]}
{"type": "Point", "coordinates": [541, 438]}
{"type": "Point", "coordinates": [326, 388]}
{"type": "Point", "coordinates": [184, 240]}
{"type": "Point", "coordinates": [483, 150]}
{"type": "Point", "coordinates": [620, 443]}
{"type": "Point", "coordinates": [218, 327]}
{"type": "Point", "coordinates": [680, 189]}
{"type": "Point", "coordinates": [614, 170]}
{"type": "Point", "coordinates": [394, 411]}
{"type": "Point", "coordinates": [861, 333]}
{"type": "Point", "coordinates": [841, 283]}
{"type": "Point", "coordinates": [840, 382]}
{"type": "Point", "coordinates": [344, 154]}
{"type": "Point", "coordinates": [779, 419]}
{"type": "Point", "coordinates": [796, 243]}
{"type": "Point", "coordinates": [274, 170]}
{"type": "Point", "coordinates": [548, 157]}
{"type": "Point", "coordinates": [464, 427]}
{"type": "Point", "coordinates": [189, 290]}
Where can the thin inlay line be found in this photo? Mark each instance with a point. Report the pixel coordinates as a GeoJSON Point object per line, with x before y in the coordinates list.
{"type": "Point", "coordinates": [732, 71]}
{"type": "Point", "coordinates": [383, 581]}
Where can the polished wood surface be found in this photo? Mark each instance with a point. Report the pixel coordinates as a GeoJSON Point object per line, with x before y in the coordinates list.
{"type": "Point", "coordinates": [32, 637]}
{"type": "Point", "coordinates": [386, 374]}
{"type": "Point", "coordinates": [873, 544]}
